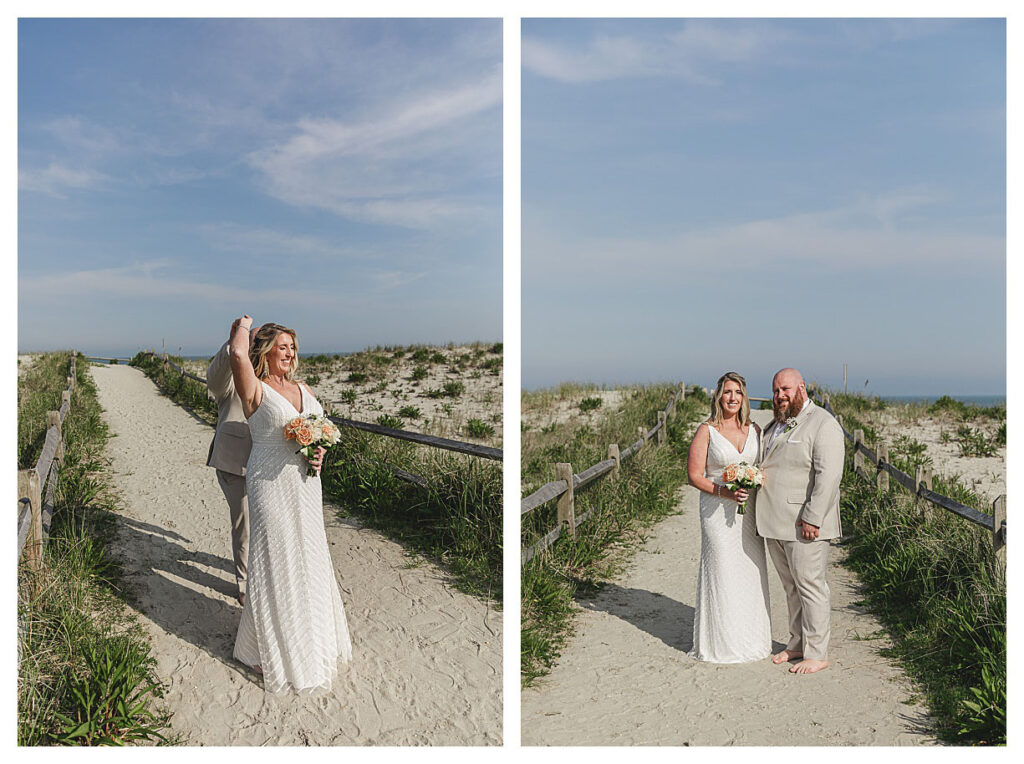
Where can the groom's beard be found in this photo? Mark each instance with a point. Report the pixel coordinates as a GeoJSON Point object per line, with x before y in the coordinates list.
{"type": "Point", "coordinates": [782, 413]}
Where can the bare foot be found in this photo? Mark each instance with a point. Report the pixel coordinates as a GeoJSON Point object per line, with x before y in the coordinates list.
{"type": "Point", "coordinates": [258, 669]}
{"type": "Point", "coordinates": [809, 666]}
{"type": "Point", "coordinates": [785, 656]}
{"type": "Point", "coordinates": [241, 599]}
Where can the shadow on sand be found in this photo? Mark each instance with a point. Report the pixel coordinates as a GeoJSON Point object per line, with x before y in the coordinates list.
{"type": "Point", "coordinates": [660, 616]}
{"type": "Point", "coordinates": [174, 587]}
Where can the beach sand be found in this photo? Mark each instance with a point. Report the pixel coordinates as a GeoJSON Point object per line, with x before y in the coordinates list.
{"type": "Point", "coordinates": [624, 677]}
{"type": "Point", "coordinates": [985, 475]}
{"type": "Point", "coordinates": [427, 664]}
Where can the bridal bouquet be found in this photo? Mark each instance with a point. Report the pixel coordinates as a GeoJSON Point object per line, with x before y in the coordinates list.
{"type": "Point", "coordinates": [312, 432]}
{"type": "Point", "coordinates": [742, 475]}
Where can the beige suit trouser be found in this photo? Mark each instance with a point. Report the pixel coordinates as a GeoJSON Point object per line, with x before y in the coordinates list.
{"type": "Point", "coordinates": [801, 566]}
{"type": "Point", "coordinates": [233, 487]}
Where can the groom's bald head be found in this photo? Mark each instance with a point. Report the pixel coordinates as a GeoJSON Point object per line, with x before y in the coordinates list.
{"type": "Point", "coordinates": [788, 393]}
{"type": "Point", "coordinates": [792, 376]}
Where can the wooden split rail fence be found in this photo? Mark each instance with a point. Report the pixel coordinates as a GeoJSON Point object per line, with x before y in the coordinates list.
{"type": "Point", "coordinates": [447, 444]}
{"type": "Point", "coordinates": [921, 485]}
{"type": "Point", "coordinates": [569, 484]}
{"type": "Point", "coordinates": [36, 484]}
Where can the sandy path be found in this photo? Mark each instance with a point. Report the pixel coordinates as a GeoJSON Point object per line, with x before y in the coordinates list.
{"type": "Point", "coordinates": [625, 678]}
{"type": "Point", "coordinates": [427, 658]}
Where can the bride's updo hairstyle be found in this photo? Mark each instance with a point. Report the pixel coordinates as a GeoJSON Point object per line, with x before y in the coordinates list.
{"type": "Point", "coordinates": [716, 400]}
{"type": "Point", "coordinates": [264, 342]}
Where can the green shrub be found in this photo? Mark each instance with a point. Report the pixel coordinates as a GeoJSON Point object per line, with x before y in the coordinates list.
{"type": "Point", "coordinates": [477, 428]}
{"type": "Point", "coordinates": [420, 372]}
{"type": "Point", "coordinates": [386, 420]}
{"type": "Point", "coordinates": [589, 404]}
{"type": "Point", "coordinates": [453, 389]}
{"type": "Point", "coordinates": [409, 412]}
{"type": "Point", "coordinates": [974, 443]}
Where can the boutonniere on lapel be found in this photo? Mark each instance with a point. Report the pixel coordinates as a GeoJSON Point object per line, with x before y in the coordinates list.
{"type": "Point", "coordinates": [791, 424]}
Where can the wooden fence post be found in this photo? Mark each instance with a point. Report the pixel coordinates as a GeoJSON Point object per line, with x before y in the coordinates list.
{"type": "Point", "coordinates": [839, 418]}
{"type": "Point", "coordinates": [825, 400]}
{"type": "Point", "coordinates": [28, 486]}
{"type": "Point", "coordinates": [682, 391]}
{"type": "Point", "coordinates": [642, 432]}
{"type": "Point", "coordinates": [53, 420]}
{"type": "Point", "coordinates": [998, 533]}
{"type": "Point", "coordinates": [613, 453]}
{"type": "Point", "coordinates": [922, 477]}
{"type": "Point", "coordinates": [566, 502]}
{"type": "Point", "coordinates": [661, 428]}
{"type": "Point", "coordinates": [858, 456]}
{"type": "Point", "coordinates": [882, 479]}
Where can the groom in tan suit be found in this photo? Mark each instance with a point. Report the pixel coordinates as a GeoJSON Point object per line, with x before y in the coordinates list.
{"type": "Point", "coordinates": [797, 511]}
{"type": "Point", "coordinates": [229, 453]}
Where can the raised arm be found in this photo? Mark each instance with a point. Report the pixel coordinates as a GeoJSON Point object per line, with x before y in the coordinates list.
{"type": "Point", "coordinates": [218, 374]}
{"type": "Point", "coordinates": [246, 384]}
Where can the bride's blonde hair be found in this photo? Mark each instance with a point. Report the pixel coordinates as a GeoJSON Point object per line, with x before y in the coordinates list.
{"type": "Point", "coordinates": [264, 342]}
{"type": "Point", "coordinates": [716, 400]}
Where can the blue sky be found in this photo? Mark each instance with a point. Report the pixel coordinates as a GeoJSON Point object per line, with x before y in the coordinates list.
{"type": "Point", "coordinates": [708, 195]}
{"type": "Point", "coordinates": [342, 177]}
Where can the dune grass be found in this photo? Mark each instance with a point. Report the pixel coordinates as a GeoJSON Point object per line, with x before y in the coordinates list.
{"type": "Point", "coordinates": [623, 509]}
{"type": "Point", "coordinates": [86, 676]}
{"type": "Point", "coordinates": [935, 582]}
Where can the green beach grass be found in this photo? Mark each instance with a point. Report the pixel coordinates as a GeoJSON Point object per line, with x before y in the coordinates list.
{"type": "Point", "coordinates": [86, 675]}
{"type": "Point", "coordinates": [934, 580]}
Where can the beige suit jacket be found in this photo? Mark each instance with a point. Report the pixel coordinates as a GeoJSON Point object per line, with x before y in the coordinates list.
{"type": "Point", "coordinates": [802, 471]}
{"type": "Point", "coordinates": [232, 442]}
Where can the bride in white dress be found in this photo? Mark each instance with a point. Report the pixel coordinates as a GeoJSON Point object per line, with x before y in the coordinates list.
{"type": "Point", "coordinates": [731, 622]}
{"type": "Point", "coordinates": [293, 629]}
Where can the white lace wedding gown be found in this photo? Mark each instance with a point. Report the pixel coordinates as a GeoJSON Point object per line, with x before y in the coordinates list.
{"type": "Point", "coordinates": [293, 623]}
{"type": "Point", "coordinates": [731, 622]}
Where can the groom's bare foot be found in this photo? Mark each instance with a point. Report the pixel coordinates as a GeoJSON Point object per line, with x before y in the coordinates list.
{"type": "Point", "coordinates": [786, 656]}
{"type": "Point", "coordinates": [809, 666]}
{"type": "Point", "coordinates": [258, 669]}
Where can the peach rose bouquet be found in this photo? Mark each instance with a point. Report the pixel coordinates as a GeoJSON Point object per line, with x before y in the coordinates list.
{"type": "Point", "coordinates": [312, 432]}
{"type": "Point", "coordinates": [742, 475]}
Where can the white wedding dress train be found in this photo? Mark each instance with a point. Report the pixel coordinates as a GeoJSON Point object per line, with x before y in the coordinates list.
{"type": "Point", "coordinates": [731, 621]}
{"type": "Point", "coordinates": [293, 623]}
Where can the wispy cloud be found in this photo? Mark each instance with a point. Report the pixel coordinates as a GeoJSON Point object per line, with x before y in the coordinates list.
{"type": "Point", "coordinates": [266, 241]}
{"type": "Point", "coordinates": [402, 168]}
{"type": "Point", "coordinates": [683, 53]}
{"type": "Point", "coordinates": [57, 179]}
{"type": "Point", "coordinates": [857, 237]}
{"type": "Point", "coordinates": [153, 280]}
